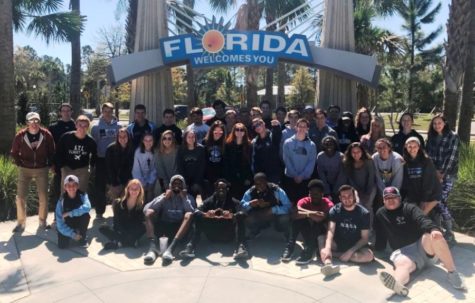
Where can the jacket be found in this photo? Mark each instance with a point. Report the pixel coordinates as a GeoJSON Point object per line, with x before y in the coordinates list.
{"type": "Point", "coordinates": [82, 208]}
{"type": "Point", "coordinates": [25, 156]}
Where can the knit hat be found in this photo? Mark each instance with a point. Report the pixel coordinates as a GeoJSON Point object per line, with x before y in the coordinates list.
{"type": "Point", "coordinates": [179, 177]}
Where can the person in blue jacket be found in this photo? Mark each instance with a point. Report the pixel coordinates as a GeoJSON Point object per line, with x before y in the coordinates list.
{"type": "Point", "coordinates": [72, 214]}
{"type": "Point", "coordinates": [266, 203]}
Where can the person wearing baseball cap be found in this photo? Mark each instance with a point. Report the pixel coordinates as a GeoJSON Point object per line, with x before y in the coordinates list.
{"type": "Point", "coordinates": [72, 214]}
{"type": "Point", "coordinates": [32, 151]}
{"type": "Point", "coordinates": [415, 239]}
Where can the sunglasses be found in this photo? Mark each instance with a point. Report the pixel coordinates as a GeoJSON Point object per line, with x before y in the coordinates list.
{"type": "Point", "coordinates": [239, 130]}
{"type": "Point", "coordinates": [167, 139]}
{"type": "Point", "coordinates": [36, 121]}
{"type": "Point", "coordinates": [257, 125]}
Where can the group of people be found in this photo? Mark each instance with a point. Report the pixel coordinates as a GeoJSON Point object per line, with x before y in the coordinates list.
{"type": "Point", "coordinates": [337, 181]}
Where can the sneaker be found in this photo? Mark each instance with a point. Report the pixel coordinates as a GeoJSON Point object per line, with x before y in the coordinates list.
{"type": "Point", "coordinates": [19, 229]}
{"type": "Point", "coordinates": [287, 254]}
{"type": "Point", "coordinates": [241, 253]}
{"type": "Point", "coordinates": [305, 257]}
{"type": "Point", "coordinates": [456, 280]}
{"type": "Point", "coordinates": [329, 269]}
{"type": "Point", "coordinates": [167, 256]}
{"type": "Point", "coordinates": [188, 252]}
{"type": "Point", "coordinates": [150, 257]}
{"type": "Point", "coordinates": [43, 226]}
{"type": "Point", "coordinates": [111, 245]}
{"type": "Point", "coordinates": [390, 282]}
{"type": "Point", "coordinates": [99, 217]}
{"type": "Point", "coordinates": [83, 243]}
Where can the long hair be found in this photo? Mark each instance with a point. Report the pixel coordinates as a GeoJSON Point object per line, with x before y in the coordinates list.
{"type": "Point", "coordinates": [358, 117]}
{"type": "Point", "coordinates": [123, 130]}
{"type": "Point", "coordinates": [405, 114]}
{"type": "Point", "coordinates": [349, 161]}
{"type": "Point", "coordinates": [380, 120]}
{"type": "Point", "coordinates": [142, 146]}
{"type": "Point", "coordinates": [246, 143]}
{"type": "Point", "coordinates": [421, 154]}
{"type": "Point", "coordinates": [431, 133]}
{"type": "Point", "coordinates": [161, 147]}
{"type": "Point", "coordinates": [140, 197]}
{"type": "Point", "coordinates": [209, 139]}
{"type": "Point", "coordinates": [185, 135]}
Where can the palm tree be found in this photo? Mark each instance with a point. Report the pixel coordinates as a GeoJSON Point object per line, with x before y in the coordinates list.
{"type": "Point", "coordinates": [415, 13]}
{"type": "Point", "coordinates": [41, 18]}
{"type": "Point", "coordinates": [7, 88]}
{"type": "Point", "coordinates": [75, 86]}
{"type": "Point", "coordinates": [457, 50]}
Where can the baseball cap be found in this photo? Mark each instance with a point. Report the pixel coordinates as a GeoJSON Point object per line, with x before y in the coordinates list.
{"type": "Point", "coordinates": [309, 108]}
{"type": "Point", "coordinates": [32, 115]}
{"type": "Point", "coordinates": [71, 178]}
{"type": "Point", "coordinates": [391, 191]}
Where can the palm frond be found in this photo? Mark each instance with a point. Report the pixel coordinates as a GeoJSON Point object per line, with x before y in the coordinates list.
{"type": "Point", "coordinates": [57, 27]}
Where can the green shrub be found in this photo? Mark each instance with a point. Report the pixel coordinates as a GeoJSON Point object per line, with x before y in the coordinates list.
{"type": "Point", "coordinates": [8, 180]}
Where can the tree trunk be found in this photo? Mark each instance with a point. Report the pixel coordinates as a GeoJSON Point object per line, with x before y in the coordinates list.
{"type": "Point", "coordinates": [466, 108]}
{"type": "Point", "coordinates": [75, 87]}
{"type": "Point", "coordinates": [7, 88]}
{"type": "Point", "coordinates": [281, 76]}
{"type": "Point", "coordinates": [270, 86]}
{"type": "Point", "coordinates": [190, 90]}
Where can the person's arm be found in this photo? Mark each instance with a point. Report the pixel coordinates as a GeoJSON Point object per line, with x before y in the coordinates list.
{"type": "Point", "coordinates": [93, 158]}
{"type": "Point", "coordinates": [312, 158]}
{"type": "Point", "coordinates": [285, 205]}
{"type": "Point", "coordinates": [15, 151]}
{"type": "Point", "coordinates": [317, 216]}
{"type": "Point", "coordinates": [416, 215]}
{"type": "Point", "coordinates": [276, 133]}
{"type": "Point", "coordinates": [61, 225]}
{"type": "Point", "coordinates": [287, 156]}
{"type": "Point", "coordinates": [363, 241]}
{"type": "Point", "coordinates": [246, 203]}
{"type": "Point", "coordinates": [83, 209]}
{"type": "Point", "coordinates": [327, 250]}
{"type": "Point", "coordinates": [321, 173]}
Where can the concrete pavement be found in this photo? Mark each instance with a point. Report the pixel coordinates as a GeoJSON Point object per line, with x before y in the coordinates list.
{"type": "Point", "coordinates": [33, 269]}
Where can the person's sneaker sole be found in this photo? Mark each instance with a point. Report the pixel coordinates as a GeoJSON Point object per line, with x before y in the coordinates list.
{"type": "Point", "coordinates": [390, 282]}
{"type": "Point", "coordinates": [302, 262]}
{"type": "Point", "coordinates": [241, 256]}
{"type": "Point", "coordinates": [330, 270]}
{"type": "Point", "coordinates": [186, 255]}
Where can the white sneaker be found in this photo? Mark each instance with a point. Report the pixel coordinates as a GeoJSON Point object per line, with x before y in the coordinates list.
{"type": "Point", "coordinates": [390, 282]}
{"type": "Point", "coordinates": [167, 256]}
{"type": "Point", "coordinates": [456, 280]}
{"type": "Point", "coordinates": [330, 269]}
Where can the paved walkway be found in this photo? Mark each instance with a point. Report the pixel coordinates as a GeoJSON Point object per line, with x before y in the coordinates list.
{"type": "Point", "coordinates": [33, 269]}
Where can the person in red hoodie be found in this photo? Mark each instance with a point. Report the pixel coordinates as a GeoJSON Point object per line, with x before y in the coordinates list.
{"type": "Point", "coordinates": [32, 150]}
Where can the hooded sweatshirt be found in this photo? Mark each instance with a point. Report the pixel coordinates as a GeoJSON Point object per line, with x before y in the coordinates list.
{"type": "Point", "coordinates": [299, 157]}
{"type": "Point", "coordinates": [104, 134]}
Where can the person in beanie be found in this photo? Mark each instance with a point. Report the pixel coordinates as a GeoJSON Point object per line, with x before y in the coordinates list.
{"type": "Point", "coordinates": [32, 151]}
{"type": "Point", "coordinates": [169, 215]}
{"type": "Point", "coordinates": [72, 214]}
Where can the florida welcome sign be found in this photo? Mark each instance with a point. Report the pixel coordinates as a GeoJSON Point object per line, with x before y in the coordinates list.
{"type": "Point", "coordinates": [215, 45]}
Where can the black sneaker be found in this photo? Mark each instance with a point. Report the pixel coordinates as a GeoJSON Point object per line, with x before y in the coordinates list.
{"type": "Point", "coordinates": [287, 254]}
{"type": "Point", "coordinates": [111, 245]}
{"type": "Point", "coordinates": [19, 229]}
{"type": "Point", "coordinates": [305, 257]}
{"type": "Point", "coordinates": [188, 252]}
{"type": "Point", "coordinates": [83, 243]}
{"type": "Point", "coordinates": [241, 253]}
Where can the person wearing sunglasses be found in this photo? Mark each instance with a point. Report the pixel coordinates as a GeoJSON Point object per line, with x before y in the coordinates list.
{"type": "Point", "coordinates": [166, 159]}
{"type": "Point", "coordinates": [32, 151]}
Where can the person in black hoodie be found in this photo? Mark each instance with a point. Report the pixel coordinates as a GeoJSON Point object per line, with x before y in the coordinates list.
{"type": "Point", "coordinates": [420, 183]}
{"type": "Point", "coordinates": [214, 147]}
{"type": "Point", "coordinates": [346, 131]}
{"type": "Point", "coordinates": [128, 224]}
{"type": "Point", "coordinates": [119, 162]}
{"type": "Point", "coordinates": [265, 150]}
{"type": "Point", "coordinates": [191, 163]}
{"type": "Point", "coordinates": [415, 240]}
{"type": "Point", "coordinates": [220, 221]}
{"type": "Point", "coordinates": [169, 123]}
{"type": "Point", "coordinates": [405, 131]}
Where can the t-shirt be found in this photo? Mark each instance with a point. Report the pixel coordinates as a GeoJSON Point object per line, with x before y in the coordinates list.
{"type": "Point", "coordinates": [348, 225]}
{"type": "Point", "coordinates": [306, 203]}
{"type": "Point", "coordinates": [199, 130]}
{"type": "Point", "coordinates": [33, 138]}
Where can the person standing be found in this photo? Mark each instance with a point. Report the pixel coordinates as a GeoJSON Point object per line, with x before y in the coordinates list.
{"type": "Point", "coordinates": [145, 167]}
{"type": "Point", "coordinates": [265, 150]}
{"type": "Point", "coordinates": [76, 152]}
{"type": "Point", "coordinates": [64, 124]}
{"type": "Point", "coordinates": [169, 123]}
{"type": "Point", "coordinates": [405, 132]}
{"type": "Point", "coordinates": [197, 126]}
{"type": "Point", "coordinates": [104, 133]}
{"type": "Point", "coordinates": [32, 151]}
{"type": "Point", "coordinates": [140, 126]}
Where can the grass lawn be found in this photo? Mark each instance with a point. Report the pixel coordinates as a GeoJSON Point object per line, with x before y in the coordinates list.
{"type": "Point", "coordinates": [421, 121]}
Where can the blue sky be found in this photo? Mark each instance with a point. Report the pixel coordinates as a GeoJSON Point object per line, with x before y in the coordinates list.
{"type": "Point", "coordinates": [102, 14]}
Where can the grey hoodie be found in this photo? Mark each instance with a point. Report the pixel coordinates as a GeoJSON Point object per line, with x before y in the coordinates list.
{"type": "Point", "coordinates": [104, 134]}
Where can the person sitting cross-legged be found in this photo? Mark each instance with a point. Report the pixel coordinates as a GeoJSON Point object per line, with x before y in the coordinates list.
{"type": "Point", "coordinates": [266, 203]}
{"type": "Point", "coordinates": [416, 240]}
{"type": "Point", "coordinates": [128, 223]}
{"type": "Point", "coordinates": [72, 214]}
{"type": "Point", "coordinates": [220, 221]}
{"type": "Point", "coordinates": [348, 233]}
{"type": "Point", "coordinates": [310, 220]}
{"type": "Point", "coordinates": [169, 215]}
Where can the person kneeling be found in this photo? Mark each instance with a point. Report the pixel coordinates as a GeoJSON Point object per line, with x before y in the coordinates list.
{"type": "Point", "coordinates": [72, 214]}
{"type": "Point", "coordinates": [169, 215]}
{"type": "Point", "coordinates": [128, 218]}
{"type": "Point", "coordinates": [219, 220]}
{"type": "Point", "coordinates": [348, 233]}
{"type": "Point", "coordinates": [416, 241]}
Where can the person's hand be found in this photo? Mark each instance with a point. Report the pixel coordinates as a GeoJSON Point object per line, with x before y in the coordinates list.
{"type": "Point", "coordinates": [210, 213]}
{"type": "Point", "coordinates": [263, 204]}
{"type": "Point", "coordinates": [254, 203]}
{"type": "Point", "coordinates": [168, 193]}
{"type": "Point", "coordinates": [346, 256]}
{"type": "Point", "coordinates": [227, 214]}
{"type": "Point", "coordinates": [67, 214]}
{"type": "Point", "coordinates": [184, 193]}
{"type": "Point", "coordinates": [275, 123]}
{"type": "Point", "coordinates": [436, 234]}
{"type": "Point", "coordinates": [77, 237]}
{"type": "Point", "coordinates": [326, 254]}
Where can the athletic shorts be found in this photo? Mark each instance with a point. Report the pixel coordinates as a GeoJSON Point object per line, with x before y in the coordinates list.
{"type": "Point", "coordinates": [416, 253]}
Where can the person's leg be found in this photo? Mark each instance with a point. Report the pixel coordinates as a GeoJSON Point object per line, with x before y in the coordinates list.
{"type": "Point", "coordinates": [41, 177]}
{"type": "Point", "coordinates": [295, 229]}
{"type": "Point", "coordinates": [152, 253]}
{"type": "Point", "coordinates": [362, 255]}
{"type": "Point", "coordinates": [100, 187]}
{"type": "Point", "coordinates": [242, 249]}
{"type": "Point", "coordinates": [403, 267]}
{"type": "Point", "coordinates": [309, 234]}
{"type": "Point", "coordinates": [183, 229]}
{"type": "Point", "coordinates": [282, 224]}
{"type": "Point", "coordinates": [63, 241]}
{"type": "Point", "coordinates": [24, 180]}
{"type": "Point", "coordinates": [438, 246]}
